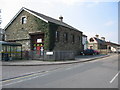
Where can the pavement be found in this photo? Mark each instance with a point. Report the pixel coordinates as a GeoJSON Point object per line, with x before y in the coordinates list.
{"type": "Point", "coordinates": [78, 59]}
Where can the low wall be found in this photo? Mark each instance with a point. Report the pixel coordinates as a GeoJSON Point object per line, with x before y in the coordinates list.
{"type": "Point", "coordinates": [59, 55]}
{"type": "Point", "coordinates": [103, 51]}
{"type": "Point", "coordinates": [56, 55]}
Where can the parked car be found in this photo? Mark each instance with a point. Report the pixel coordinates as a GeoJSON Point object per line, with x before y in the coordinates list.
{"type": "Point", "coordinates": [96, 52]}
{"type": "Point", "coordinates": [89, 52]}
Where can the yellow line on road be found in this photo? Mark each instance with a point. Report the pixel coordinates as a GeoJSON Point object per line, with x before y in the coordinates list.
{"type": "Point", "coordinates": [22, 77]}
{"type": "Point", "coordinates": [28, 75]}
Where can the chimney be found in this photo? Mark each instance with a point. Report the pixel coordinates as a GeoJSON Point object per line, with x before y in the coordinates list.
{"type": "Point", "coordinates": [103, 38]}
{"type": "Point", "coordinates": [61, 18]}
{"type": "Point", "coordinates": [97, 36]}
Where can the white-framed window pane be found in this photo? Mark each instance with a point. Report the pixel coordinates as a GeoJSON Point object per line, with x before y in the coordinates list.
{"type": "Point", "coordinates": [24, 20]}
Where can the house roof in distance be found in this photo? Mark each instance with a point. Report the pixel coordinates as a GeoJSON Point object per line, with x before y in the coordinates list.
{"type": "Point", "coordinates": [43, 17]}
{"type": "Point", "coordinates": [99, 40]}
{"type": "Point", "coordinates": [111, 43]}
{"type": "Point", "coordinates": [105, 42]}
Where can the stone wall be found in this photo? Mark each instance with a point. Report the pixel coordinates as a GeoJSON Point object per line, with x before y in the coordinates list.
{"type": "Point", "coordinates": [103, 51]}
{"type": "Point", "coordinates": [69, 45]}
{"type": "Point", "coordinates": [19, 32]}
{"type": "Point", "coordinates": [60, 55]}
{"type": "Point", "coordinates": [25, 44]}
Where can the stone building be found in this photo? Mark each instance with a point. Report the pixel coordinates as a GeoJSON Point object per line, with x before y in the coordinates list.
{"type": "Point", "coordinates": [113, 47]}
{"type": "Point", "coordinates": [41, 35]}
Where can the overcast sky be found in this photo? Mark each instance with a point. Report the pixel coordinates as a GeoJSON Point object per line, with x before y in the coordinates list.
{"type": "Point", "coordinates": [89, 16]}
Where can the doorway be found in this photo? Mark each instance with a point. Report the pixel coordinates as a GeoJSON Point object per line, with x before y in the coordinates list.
{"type": "Point", "coordinates": [37, 45]}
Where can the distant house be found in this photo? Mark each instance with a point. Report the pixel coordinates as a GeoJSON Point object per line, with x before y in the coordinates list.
{"type": "Point", "coordinates": [102, 45]}
{"type": "Point", "coordinates": [97, 43]}
{"type": "Point", "coordinates": [113, 47]}
{"type": "Point", "coordinates": [2, 34]}
{"type": "Point", "coordinates": [43, 36]}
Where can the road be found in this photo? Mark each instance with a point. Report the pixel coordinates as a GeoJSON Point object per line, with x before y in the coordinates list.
{"type": "Point", "coordinates": [100, 73]}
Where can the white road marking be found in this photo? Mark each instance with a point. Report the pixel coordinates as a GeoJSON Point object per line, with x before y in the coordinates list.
{"type": "Point", "coordinates": [114, 77]}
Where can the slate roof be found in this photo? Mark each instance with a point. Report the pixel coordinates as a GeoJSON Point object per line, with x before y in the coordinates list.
{"type": "Point", "coordinates": [105, 42]}
{"type": "Point", "coordinates": [99, 40]}
{"type": "Point", "coordinates": [111, 43]}
{"type": "Point", "coordinates": [52, 19]}
{"type": "Point", "coordinates": [47, 18]}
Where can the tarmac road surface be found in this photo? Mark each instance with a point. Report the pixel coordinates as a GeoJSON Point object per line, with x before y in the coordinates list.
{"type": "Point", "coordinates": [102, 73]}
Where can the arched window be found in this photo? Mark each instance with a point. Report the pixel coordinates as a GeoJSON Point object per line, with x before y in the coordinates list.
{"type": "Point", "coordinates": [24, 20]}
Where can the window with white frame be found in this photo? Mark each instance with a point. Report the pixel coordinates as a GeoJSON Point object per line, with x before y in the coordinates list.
{"type": "Point", "coordinates": [23, 20]}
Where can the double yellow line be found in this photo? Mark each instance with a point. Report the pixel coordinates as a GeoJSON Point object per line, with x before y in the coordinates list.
{"type": "Point", "coordinates": [21, 77]}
